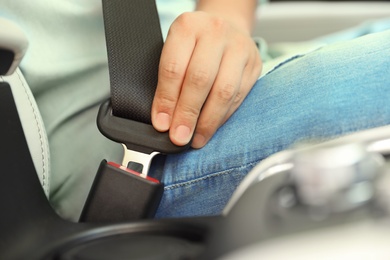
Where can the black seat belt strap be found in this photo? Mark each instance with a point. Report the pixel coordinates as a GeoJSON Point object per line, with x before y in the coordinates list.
{"type": "Point", "coordinates": [134, 44]}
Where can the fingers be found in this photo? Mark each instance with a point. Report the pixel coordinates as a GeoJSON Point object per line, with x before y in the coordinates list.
{"type": "Point", "coordinates": [238, 72]}
{"type": "Point", "coordinates": [250, 75]}
{"type": "Point", "coordinates": [206, 70]}
{"type": "Point", "coordinates": [174, 60]}
{"type": "Point", "coordinates": [222, 96]}
{"type": "Point", "coordinates": [200, 77]}
{"type": "Point", "coordinates": [185, 82]}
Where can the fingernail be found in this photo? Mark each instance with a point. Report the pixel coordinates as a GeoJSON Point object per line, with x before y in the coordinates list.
{"type": "Point", "coordinates": [199, 141]}
{"type": "Point", "coordinates": [162, 122]}
{"type": "Point", "coordinates": [182, 134]}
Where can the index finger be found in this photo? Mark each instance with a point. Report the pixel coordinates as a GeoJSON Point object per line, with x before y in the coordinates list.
{"type": "Point", "coordinates": [174, 61]}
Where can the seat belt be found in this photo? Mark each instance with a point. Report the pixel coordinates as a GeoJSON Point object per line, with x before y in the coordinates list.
{"type": "Point", "coordinates": [134, 44]}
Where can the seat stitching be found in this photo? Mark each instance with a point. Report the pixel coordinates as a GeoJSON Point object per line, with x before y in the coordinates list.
{"type": "Point", "coordinates": [44, 177]}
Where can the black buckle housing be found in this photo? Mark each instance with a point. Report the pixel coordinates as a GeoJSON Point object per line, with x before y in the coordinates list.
{"type": "Point", "coordinates": [135, 135]}
{"type": "Point", "coordinates": [119, 195]}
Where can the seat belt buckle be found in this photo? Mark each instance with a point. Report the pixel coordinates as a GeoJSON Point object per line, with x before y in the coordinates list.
{"type": "Point", "coordinates": [141, 141]}
{"type": "Point", "coordinates": [119, 194]}
{"type": "Point", "coordinates": [125, 192]}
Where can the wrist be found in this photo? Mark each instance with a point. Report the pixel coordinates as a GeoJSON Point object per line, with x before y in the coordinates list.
{"type": "Point", "coordinates": [240, 14]}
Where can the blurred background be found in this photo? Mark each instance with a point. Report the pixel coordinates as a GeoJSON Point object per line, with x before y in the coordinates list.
{"type": "Point", "coordinates": [291, 20]}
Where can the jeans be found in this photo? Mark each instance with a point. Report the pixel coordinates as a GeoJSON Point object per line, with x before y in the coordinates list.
{"type": "Point", "coordinates": [335, 90]}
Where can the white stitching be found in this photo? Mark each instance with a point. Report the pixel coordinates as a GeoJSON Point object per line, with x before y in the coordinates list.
{"type": "Point", "coordinates": [44, 177]}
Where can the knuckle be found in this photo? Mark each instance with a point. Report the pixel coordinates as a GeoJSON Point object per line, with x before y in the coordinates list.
{"type": "Point", "coordinates": [218, 23]}
{"type": "Point", "coordinates": [226, 93]}
{"type": "Point", "coordinates": [189, 112]}
{"type": "Point", "coordinates": [208, 127]}
{"type": "Point", "coordinates": [166, 100]}
{"type": "Point", "coordinates": [238, 98]}
{"type": "Point", "coordinates": [241, 47]}
{"type": "Point", "coordinates": [218, 26]}
{"type": "Point", "coordinates": [171, 70]}
{"type": "Point", "coordinates": [258, 67]}
{"type": "Point", "coordinates": [183, 22]}
{"type": "Point", "coordinates": [200, 78]}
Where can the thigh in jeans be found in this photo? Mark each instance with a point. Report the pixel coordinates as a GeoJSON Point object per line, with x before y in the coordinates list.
{"type": "Point", "coordinates": [339, 89]}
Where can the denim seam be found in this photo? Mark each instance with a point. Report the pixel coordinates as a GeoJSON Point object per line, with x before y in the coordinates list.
{"type": "Point", "coordinates": [294, 57]}
{"type": "Point", "coordinates": [284, 62]}
{"type": "Point", "coordinates": [216, 174]}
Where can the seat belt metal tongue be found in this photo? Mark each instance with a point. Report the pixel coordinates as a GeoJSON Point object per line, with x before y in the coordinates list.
{"type": "Point", "coordinates": [139, 162]}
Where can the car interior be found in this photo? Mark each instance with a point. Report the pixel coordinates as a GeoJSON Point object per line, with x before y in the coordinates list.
{"type": "Point", "coordinates": [271, 215]}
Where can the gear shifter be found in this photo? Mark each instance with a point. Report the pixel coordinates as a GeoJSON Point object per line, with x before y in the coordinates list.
{"type": "Point", "coordinates": [335, 178]}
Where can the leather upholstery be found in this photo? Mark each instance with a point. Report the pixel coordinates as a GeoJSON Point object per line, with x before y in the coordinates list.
{"type": "Point", "coordinates": [32, 125]}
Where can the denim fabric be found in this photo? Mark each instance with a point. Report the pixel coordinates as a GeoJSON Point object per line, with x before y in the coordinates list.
{"type": "Point", "coordinates": [338, 89]}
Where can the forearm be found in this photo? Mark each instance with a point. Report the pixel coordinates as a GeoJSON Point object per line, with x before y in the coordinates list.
{"type": "Point", "coordinates": [239, 12]}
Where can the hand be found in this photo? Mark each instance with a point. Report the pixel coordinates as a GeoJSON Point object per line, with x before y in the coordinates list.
{"type": "Point", "coordinates": [207, 68]}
